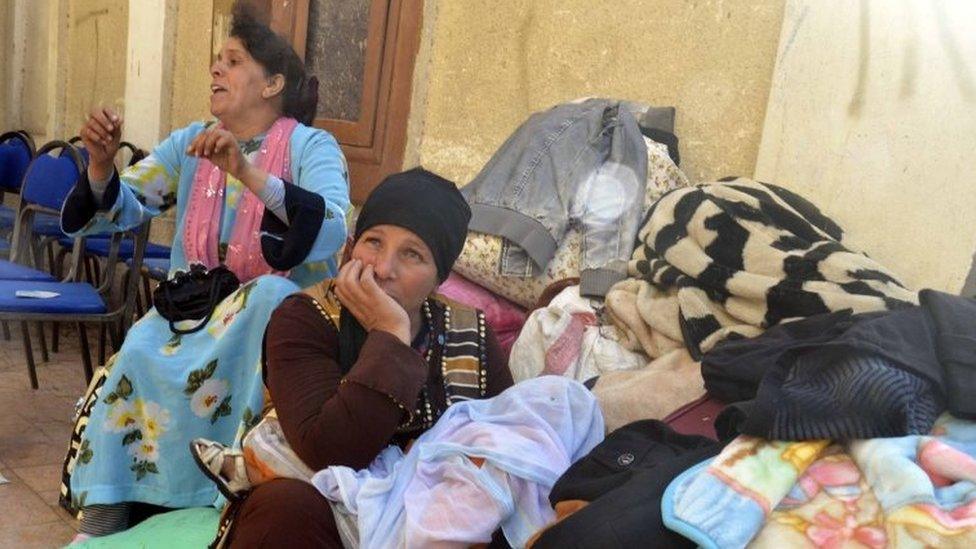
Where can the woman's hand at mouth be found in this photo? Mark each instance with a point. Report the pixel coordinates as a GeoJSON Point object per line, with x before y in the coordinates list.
{"type": "Point", "coordinates": [358, 291]}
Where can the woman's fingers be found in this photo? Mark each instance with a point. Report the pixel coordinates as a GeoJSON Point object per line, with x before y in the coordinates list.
{"type": "Point", "coordinates": [99, 116]}
{"type": "Point", "coordinates": [202, 144]}
{"type": "Point", "coordinates": [226, 144]}
{"type": "Point", "coordinates": [350, 301]}
{"type": "Point", "coordinates": [367, 282]}
{"type": "Point", "coordinates": [366, 274]}
{"type": "Point", "coordinates": [103, 123]}
{"type": "Point", "coordinates": [93, 132]}
{"type": "Point", "coordinates": [348, 287]}
{"type": "Point", "coordinates": [208, 143]}
{"type": "Point", "coordinates": [100, 134]}
{"type": "Point", "coordinates": [349, 271]}
{"type": "Point", "coordinates": [111, 116]}
{"type": "Point", "coordinates": [348, 275]}
{"type": "Point", "coordinates": [355, 287]}
{"type": "Point", "coordinates": [90, 137]}
{"type": "Point", "coordinates": [96, 132]}
{"type": "Point", "coordinates": [195, 146]}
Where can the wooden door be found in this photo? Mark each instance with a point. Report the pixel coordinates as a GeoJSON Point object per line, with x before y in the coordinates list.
{"type": "Point", "coordinates": [363, 53]}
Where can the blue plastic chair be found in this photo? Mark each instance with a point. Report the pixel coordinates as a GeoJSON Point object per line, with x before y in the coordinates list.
{"type": "Point", "coordinates": [16, 152]}
{"type": "Point", "coordinates": [96, 246]}
{"type": "Point", "coordinates": [11, 176]}
{"type": "Point", "coordinates": [51, 178]}
{"type": "Point", "coordinates": [47, 183]}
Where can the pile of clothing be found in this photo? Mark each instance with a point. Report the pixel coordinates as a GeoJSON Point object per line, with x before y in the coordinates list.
{"type": "Point", "coordinates": [760, 381]}
{"type": "Point", "coordinates": [844, 428]}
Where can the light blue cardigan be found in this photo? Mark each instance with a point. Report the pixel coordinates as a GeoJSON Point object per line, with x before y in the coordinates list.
{"type": "Point", "coordinates": [151, 186]}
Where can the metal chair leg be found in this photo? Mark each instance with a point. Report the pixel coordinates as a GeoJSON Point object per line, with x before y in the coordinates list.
{"type": "Point", "coordinates": [55, 336]}
{"type": "Point", "coordinates": [59, 262]}
{"type": "Point", "coordinates": [6, 330]}
{"type": "Point", "coordinates": [115, 336]}
{"type": "Point", "coordinates": [43, 338]}
{"type": "Point", "coordinates": [50, 256]}
{"type": "Point", "coordinates": [148, 290]}
{"type": "Point", "coordinates": [29, 353]}
{"type": "Point", "coordinates": [85, 352]}
{"type": "Point", "coordinates": [140, 310]}
{"type": "Point", "coordinates": [88, 271]}
{"type": "Point", "coordinates": [101, 344]}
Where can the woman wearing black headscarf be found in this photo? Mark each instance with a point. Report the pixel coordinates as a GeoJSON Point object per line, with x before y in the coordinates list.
{"type": "Point", "coordinates": [398, 357]}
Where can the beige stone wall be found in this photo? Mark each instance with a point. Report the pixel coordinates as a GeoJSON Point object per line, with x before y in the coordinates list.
{"type": "Point", "coordinates": [191, 74]}
{"type": "Point", "coordinates": [38, 94]}
{"type": "Point", "coordinates": [6, 47]}
{"type": "Point", "coordinates": [485, 66]}
{"type": "Point", "coordinates": [96, 46]}
{"type": "Point", "coordinates": [871, 117]}
{"type": "Point", "coordinates": [57, 59]}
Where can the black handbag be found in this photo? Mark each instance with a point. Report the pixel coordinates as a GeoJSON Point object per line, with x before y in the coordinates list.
{"type": "Point", "coordinates": [193, 295]}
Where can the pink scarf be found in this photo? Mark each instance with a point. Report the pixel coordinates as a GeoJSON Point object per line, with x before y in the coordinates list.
{"type": "Point", "coordinates": [201, 225]}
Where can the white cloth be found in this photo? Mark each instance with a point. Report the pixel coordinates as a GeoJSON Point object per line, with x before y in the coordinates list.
{"type": "Point", "coordinates": [565, 339]}
{"type": "Point", "coordinates": [436, 496]}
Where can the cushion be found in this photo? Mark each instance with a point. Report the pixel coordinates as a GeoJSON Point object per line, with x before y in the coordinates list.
{"type": "Point", "coordinates": [504, 317]}
{"type": "Point", "coordinates": [99, 245]}
{"type": "Point", "coordinates": [15, 271]}
{"type": "Point", "coordinates": [193, 528]}
{"type": "Point", "coordinates": [479, 262]}
{"type": "Point", "coordinates": [14, 158]}
{"type": "Point", "coordinates": [75, 298]}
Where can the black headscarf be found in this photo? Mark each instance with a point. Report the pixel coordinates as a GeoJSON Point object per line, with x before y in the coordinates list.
{"type": "Point", "coordinates": [425, 204]}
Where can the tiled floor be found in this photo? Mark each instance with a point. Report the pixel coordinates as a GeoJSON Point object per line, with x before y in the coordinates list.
{"type": "Point", "coordinates": [35, 426]}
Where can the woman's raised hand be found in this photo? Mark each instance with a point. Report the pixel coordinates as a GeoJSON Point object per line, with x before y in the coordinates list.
{"type": "Point", "coordinates": [358, 291]}
{"type": "Point", "coordinates": [101, 134]}
{"type": "Point", "coordinates": [220, 147]}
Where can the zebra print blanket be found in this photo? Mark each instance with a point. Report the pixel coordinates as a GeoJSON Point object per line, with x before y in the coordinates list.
{"type": "Point", "coordinates": [732, 258]}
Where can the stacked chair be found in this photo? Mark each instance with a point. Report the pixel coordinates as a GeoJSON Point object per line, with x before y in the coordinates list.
{"type": "Point", "coordinates": [97, 252]}
{"type": "Point", "coordinates": [16, 152]}
{"type": "Point", "coordinates": [48, 179]}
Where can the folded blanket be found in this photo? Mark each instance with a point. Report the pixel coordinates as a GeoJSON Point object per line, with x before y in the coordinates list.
{"type": "Point", "coordinates": [736, 257]}
{"type": "Point", "coordinates": [504, 317]}
{"type": "Point", "coordinates": [651, 392]}
{"type": "Point", "coordinates": [724, 502]}
{"type": "Point", "coordinates": [831, 506]}
{"type": "Point", "coordinates": [914, 491]}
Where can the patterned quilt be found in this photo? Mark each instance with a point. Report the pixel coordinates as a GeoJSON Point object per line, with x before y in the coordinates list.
{"type": "Point", "coordinates": [914, 491]}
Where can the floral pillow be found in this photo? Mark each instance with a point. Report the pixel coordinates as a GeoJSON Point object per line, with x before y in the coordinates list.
{"type": "Point", "coordinates": [479, 262]}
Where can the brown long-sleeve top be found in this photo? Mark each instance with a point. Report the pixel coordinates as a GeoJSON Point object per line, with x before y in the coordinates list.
{"type": "Point", "coordinates": [331, 420]}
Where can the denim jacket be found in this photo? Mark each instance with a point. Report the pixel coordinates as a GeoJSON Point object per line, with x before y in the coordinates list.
{"type": "Point", "coordinates": [580, 165]}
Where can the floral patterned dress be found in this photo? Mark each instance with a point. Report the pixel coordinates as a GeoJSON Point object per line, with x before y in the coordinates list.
{"type": "Point", "coordinates": [161, 390]}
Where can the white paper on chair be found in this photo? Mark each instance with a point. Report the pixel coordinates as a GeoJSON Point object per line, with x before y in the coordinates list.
{"type": "Point", "coordinates": [36, 294]}
{"type": "Point", "coordinates": [3, 480]}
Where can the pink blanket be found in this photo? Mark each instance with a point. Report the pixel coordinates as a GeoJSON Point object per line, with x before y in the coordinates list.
{"type": "Point", "coordinates": [504, 317]}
